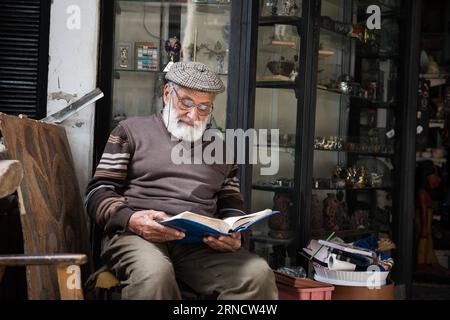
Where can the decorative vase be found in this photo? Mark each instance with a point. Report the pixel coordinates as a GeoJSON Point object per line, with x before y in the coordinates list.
{"type": "Point", "coordinates": [316, 213]}
{"type": "Point", "coordinates": [342, 212]}
{"type": "Point", "coordinates": [330, 211]}
{"type": "Point", "coordinates": [281, 224]}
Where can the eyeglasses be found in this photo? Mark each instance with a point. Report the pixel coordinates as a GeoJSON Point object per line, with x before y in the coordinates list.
{"type": "Point", "coordinates": [188, 104]}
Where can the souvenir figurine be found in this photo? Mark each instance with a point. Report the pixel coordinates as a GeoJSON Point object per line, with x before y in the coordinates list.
{"type": "Point", "coordinates": [289, 8]}
{"type": "Point", "coordinates": [316, 213]}
{"type": "Point", "coordinates": [351, 177]}
{"type": "Point", "coordinates": [361, 178]}
{"type": "Point", "coordinates": [124, 57]}
{"type": "Point", "coordinates": [173, 49]}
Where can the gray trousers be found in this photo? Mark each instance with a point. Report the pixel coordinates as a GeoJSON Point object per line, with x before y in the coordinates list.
{"type": "Point", "coordinates": [147, 270]}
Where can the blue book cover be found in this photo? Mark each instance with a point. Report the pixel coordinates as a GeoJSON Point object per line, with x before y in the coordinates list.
{"type": "Point", "coordinates": [196, 226]}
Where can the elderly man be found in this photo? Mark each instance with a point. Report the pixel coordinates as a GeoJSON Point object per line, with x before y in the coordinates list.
{"type": "Point", "coordinates": [136, 184]}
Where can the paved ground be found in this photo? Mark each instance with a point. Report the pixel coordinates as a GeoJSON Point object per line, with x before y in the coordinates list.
{"type": "Point", "coordinates": [430, 291]}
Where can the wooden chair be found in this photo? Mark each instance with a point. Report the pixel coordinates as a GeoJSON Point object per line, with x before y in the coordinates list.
{"type": "Point", "coordinates": [56, 244]}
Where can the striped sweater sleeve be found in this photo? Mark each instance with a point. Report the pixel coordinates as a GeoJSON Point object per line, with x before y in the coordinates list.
{"type": "Point", "coordinates": [230, 201]}
{"type": "Point", "coordinates": [104, 201]}
{"type": "Point", "coordinates": [229, 198]}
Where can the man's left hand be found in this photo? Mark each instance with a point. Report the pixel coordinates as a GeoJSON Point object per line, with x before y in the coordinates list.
{"type": "Point", "coordinates": [230, 243]}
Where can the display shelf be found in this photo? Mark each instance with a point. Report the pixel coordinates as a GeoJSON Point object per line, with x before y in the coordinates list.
{"type": "Point", "coordinates": [284, 20]}
{"type": "Point", "coordinates": [280, 148]}
{"type": "Point", "coordinates": [272, 188]}
{"type": "Point", "coordinates": [291, 85]}
{"type": "Point", "coordinates": [373, 154]}
{"type": "Point", "coordinates": [290, 190]}
{"type": "Point", "coordinates": [135, 6]}
{"type": "Point", "coordinates": [358, 101]}
{"type": "Point", "coordinates": [353, 189]}
{"type": "Point", "coordinates": [379, 55]}
{"type": "Point", "coordinates": [276, 45]}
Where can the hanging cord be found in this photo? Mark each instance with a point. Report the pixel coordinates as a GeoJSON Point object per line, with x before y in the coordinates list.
{"type": "Point", "coordinates": [169, 104]}
{"type": "Point", "coordinates": [145, 26]}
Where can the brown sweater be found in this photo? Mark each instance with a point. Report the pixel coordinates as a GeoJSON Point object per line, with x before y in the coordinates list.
{"type": "Point", "coordinates": [136, 173]}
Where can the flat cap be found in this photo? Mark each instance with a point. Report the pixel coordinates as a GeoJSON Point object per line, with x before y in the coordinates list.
{"type": "Point", "coordinates": [196, 76]}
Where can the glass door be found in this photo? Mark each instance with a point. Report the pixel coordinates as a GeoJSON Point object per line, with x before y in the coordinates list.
{"type": "Point", "coordinates": [276, 108]}
{"type": "Point", "coordinates": [150, 34]}
{"type": "Point", "coordinates": [355, 130]}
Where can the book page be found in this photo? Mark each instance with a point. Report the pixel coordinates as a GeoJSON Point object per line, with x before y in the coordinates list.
{"type": "Point", "coordinates": [211, 222]}
{"type": "Point", "coordinates": [348, 248]}
{"type": "Point", "coordinates": [238, 221]}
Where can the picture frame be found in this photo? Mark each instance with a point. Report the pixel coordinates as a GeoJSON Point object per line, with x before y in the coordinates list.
{"type": "Point", "coordinates": [124, 56]}
{"type": "Point", "coordinates": [146, 56]}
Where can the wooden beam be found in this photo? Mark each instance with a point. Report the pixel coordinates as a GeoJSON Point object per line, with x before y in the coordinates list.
{"type": "Point", "coordinates": [54, 259]}
{"type": "Point", "coordinates": [11, 174]}
{"type": "Point", "coordinates": [2, 272]}
{"type": "Point", "coordinates": [69, 282]}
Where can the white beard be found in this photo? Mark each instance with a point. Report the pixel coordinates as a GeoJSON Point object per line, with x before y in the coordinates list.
{"type": "Point", "coordinates": [179, 129]}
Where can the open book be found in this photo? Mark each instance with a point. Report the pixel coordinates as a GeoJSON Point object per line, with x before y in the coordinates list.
{"type": "Point", "coordinates": [197, 226]}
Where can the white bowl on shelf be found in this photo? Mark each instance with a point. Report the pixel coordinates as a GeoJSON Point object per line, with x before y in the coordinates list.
{"type": "Point", "coordinates": [351, 278]}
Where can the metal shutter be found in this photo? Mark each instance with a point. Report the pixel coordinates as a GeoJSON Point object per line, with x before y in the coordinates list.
{"type": "Point", "coordinates": [24, 36]}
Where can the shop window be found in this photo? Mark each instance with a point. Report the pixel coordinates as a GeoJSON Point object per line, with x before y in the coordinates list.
{"type": "Point", "coordinates": [24, 38]}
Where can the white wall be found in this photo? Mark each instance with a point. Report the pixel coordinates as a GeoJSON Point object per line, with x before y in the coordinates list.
{"type": "Point", "coordinates": [73, 73]}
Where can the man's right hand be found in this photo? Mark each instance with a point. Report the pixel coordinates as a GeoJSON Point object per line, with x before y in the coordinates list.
{"type": "Point", "coordinates": [144, 224]}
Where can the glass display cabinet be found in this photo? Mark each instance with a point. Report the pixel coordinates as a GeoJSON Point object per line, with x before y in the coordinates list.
{"type": "Point", "coordinates": [276, 107]}
{"type": "Point", "coordinates": [355, 136]}
{"type": "Point", "coordinates": [150, 34]}
{"type": "Point", "coordinates": [355, 128]}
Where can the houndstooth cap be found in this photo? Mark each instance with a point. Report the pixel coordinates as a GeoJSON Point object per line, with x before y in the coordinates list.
{"type": "Point", "coordinates": [196, 76]}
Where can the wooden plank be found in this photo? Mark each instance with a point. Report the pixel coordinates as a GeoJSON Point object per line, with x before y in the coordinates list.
{"type": "Point", "coordinates": [51, 209]}
{"type": "Point", "coordinates": [69, 282]}
{"type": "Point", "coordinates": [25, 260]}
{"type": "Point", "coordinates": [11, 174]}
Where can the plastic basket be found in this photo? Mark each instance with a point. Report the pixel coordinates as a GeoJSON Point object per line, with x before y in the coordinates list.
{"type": "Point", "coordinates": [292, 288]}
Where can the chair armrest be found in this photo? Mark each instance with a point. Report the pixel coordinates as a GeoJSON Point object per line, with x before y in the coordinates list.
{"type": "Point", "coordinates": [16, 260]}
